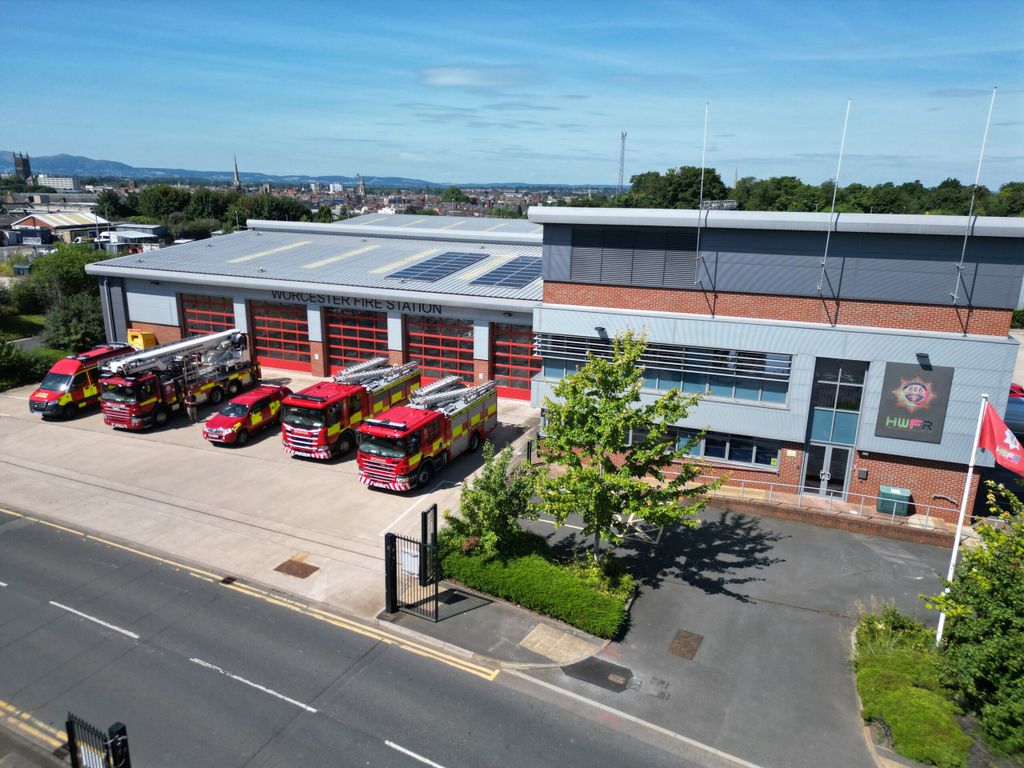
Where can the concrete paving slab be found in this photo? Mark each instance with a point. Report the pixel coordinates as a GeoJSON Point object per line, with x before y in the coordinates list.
{"type": "Point", "coordinates": [561, 647]}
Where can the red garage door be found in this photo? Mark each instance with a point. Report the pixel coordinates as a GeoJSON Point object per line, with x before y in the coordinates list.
{"type": "Point", "coordinates": [355, 336]}
{"type": "Point", "coordinates": [280, 333]}
{"type": "Point", "coordinates": [206, 314]}
{"type": "Point", "coordinates": [514, 363]}
{"type": "Point", "coordinates": [444, 347]}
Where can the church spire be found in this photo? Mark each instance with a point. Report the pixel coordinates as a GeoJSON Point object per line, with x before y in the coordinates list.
{"type": "Point", "coordinates": [237, 183]}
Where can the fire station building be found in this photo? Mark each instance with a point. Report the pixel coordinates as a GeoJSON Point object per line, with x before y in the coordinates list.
{"type": "Point", "coordinates": [833, 373]}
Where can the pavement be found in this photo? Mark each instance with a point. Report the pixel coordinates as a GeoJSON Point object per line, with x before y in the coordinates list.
{"type": "Point", "coordinates": [739, 638]}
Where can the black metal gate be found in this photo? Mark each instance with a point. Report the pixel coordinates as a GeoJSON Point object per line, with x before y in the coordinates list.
{"type": "Point", "coordinates": [413, 569]}
{"type": "Point", "coordinates": [90, 747]}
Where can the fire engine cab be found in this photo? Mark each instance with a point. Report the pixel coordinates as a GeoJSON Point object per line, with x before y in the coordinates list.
{"type": "Point", "coordinates": [147, 388]}
{"type": "Point", "coordinates": [405, 446]}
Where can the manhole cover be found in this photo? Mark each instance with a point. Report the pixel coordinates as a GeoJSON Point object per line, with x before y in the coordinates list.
{"type": "Point", "coordinates": [297, 568]}
{"type": "Point", "coordinates": [685, 644]}
{"type": "Point", "coordinates": [600, 673]}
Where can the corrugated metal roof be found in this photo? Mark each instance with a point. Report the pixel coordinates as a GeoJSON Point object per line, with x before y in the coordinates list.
{"type": "Point", "coordinates": [64, 219]}
{"type": "Point", "coordinates": [900, 224]}
{"type": "Point", "coordinates": [337, 258]}
{"type": "Point", "coordinates": [459, 223]}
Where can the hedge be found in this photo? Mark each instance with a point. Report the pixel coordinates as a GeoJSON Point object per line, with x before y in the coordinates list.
{"type": "Point", "coordinates": [572, 594]}
{"type": "Point", "coordinates": [18, 367]}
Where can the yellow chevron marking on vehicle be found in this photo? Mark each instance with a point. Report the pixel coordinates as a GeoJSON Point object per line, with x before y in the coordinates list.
{"type": "Point", "coordinates": [90, 391]}
{"type": "Point", "coordinates": [340, 256]}
{"type": "Point", "coordinates": [453, 225]}
{"type": "Point", "coordinates": [333, 429]}
{"type": "Point", "coordinates": [411, 223]}
{"type": "Point", "coordinates": [256, 419]}
{"type": "Point", "coordinates": [414, 460]}
{"type": "Point", "coordinates": [496, 226]}
{"type": "Point", "coordinates": [491, 410]}
{"type": "Point", "coordinates": [457, 432]}
{"type": "Point", "coordinates": [64, 400]}
{"type": "Point", "coordinates": [474, 420]}
{"type": "Point", "coordinates": [269, 251]}
{"type": "Point", "coordinates": [484, 268]}
{"type": "Point", "coordinates": [407, 260]}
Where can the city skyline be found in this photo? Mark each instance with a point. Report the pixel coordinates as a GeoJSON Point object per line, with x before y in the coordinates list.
{"type": "Point", "coordinates": [514, 93]}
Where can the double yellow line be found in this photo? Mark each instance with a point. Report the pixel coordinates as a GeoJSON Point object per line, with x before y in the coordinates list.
{"type": "Point", "coordinates": [366, 630]}
{"type": "Point", "coordinates": [32, 727]}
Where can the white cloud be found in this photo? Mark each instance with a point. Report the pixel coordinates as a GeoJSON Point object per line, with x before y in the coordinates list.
{"type": "Point", "coordinates": [472, 78]}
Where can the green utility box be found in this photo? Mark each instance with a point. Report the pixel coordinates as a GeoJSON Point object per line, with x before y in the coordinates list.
{"type": "Point", "coordinates": [893, 501]}
{"type": "Point", "coordinates": [22, 269]}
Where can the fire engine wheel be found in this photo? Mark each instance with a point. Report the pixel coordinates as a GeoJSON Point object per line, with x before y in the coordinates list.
{"type": "Point", "coordinates": [69, 411]}
{"type": "Point", "coordinates": [233, 388]}
{"type": "Point", "coordinates": [242, 437]}
{"type": "Point", "coordinates": [216, 395]}
{"type": "Point", "coordinates": [423, 476]}
{"type": "Point", "coordinates": [344, 444]}
{"type": "Point", "coordinates": [161, 417]}
{"type": "Point", "coordinates": [474, 442]}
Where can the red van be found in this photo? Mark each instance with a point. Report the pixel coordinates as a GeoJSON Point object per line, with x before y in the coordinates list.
{"type": "Point", "coordinates": [246, 414]}
{"type": "Point", "coordinates": [73, 382]}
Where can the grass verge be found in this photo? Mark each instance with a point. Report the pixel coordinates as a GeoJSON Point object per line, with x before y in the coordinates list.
{"type": "Point", "coordinates": [898, 682]}
{"type": "Point", "coordinates": [586, 596]}
{"type": "Point", "coordinates": [21, 326]}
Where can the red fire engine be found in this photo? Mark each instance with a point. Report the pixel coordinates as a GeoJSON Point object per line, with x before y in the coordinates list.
{"type": "Point", "coordinates": [318, 422]}
{"type": "Point", "coordinates": [405, 446]}
{"type": "Point", "coordinates": [73, 382]}
{"type": "Point", "coordinates": [149, 387]}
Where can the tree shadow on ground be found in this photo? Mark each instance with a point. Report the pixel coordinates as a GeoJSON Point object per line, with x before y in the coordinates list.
{"type": "Point", "coordinates": [716, 557]}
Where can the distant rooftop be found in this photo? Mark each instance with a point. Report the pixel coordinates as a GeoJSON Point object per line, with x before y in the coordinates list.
{"type": "Point", "coordinates": [460, 223]}
{"type": "Point", "coordinates": [63, 219]}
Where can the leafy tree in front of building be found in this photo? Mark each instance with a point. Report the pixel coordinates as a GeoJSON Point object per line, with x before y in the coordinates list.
{"type": "Point", "coordinates": [506, 212]}
{"type": "Point", "coordinates": [453, 195]}
{"type": "Point", "coordinates": [676, 188]}
{"type": "Point", "coordinates": [323, 215]}
{"type": "Point", "coordinates": [612, 458]}
{"type": "Point", "coordinates": [983, 644]}
{"type": "Point", "coordinates": [61, 272]}
{"type": "Point", "coordinates": [74, 322]}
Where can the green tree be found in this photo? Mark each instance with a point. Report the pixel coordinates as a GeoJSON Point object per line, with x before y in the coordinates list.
{"type": "Point", "coordinates": [324, 215]}
{"type": "Point", "coordinates": [1011, 198]}
{"type": "Point", "coordinates": [453, 195]}
{"type": "Point", "coordinates": [108, 204]}
{"type": "Point", "coordinates": [610, 455]}
{"type": "Point", "coordinates": [75, 322]}
{"type": "Point", "coordinates": [207, 204]}
{"type": "Point", "coordinates": [678, 188]}
{"type": "Point", "coordinates": [61, 272]}
{"type": "Point", "coordinates": [161, 200]}
{"type": "Point", "coordinates": [492, 505]}
{"type": "Point", "coordinates": [983, 645]}
{"type": "Point", "coordinates": [502, 212]}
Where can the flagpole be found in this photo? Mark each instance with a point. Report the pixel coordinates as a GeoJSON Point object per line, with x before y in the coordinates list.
{"type": "Point", "coordinates": [963, 512]}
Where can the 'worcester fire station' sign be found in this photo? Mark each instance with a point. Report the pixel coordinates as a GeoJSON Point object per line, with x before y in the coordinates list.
{"type": "Point", "coordinates": [914, 401]}
{"type": "Point", "coordinates": [357, 302]}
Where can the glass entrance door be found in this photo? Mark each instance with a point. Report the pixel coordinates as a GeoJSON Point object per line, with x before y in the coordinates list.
{"type": "Point", "coordinates": [825, 469]}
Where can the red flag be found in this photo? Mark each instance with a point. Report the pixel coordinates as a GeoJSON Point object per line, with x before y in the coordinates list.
{"type": "Point", "coordinates": [997, 439]}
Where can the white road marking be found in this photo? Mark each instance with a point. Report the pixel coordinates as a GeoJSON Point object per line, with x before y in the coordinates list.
{"type": "Point", "coordinates": [437, 486]}
{"type": "Point", "coordinates": [413, 755]}
{"type": "Point", "coordinates": [3, 583]}
{"type": "Point", "coordinates": [94, 619]}
{"type": "Point", "coordinates": [738, 761]}
{"type": "Point", "coordinates": [251, 684]}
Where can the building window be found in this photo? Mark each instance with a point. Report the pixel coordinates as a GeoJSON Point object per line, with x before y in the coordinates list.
{"type": "Point", "coordinates": [835, 400]}
{"type": "Point", "coordinates": [732, 449]}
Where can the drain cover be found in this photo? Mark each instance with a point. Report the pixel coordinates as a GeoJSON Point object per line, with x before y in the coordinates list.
{"type": "Point", "coordinates": [600, 673]}
{"type": "Point", "coordinates": [685, 644]}
{"type": "Point", "coordinates": [297, 568]}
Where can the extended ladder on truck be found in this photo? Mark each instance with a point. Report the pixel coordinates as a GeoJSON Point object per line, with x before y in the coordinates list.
{"type": "Point", "coordinates": [216, 350]}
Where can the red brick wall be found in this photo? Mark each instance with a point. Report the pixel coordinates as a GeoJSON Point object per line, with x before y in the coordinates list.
{"type": "Point", "coordinates": [396, 356]}
{"type": "Point", "coordinates": [318, 358]}
{"type": "Point", "coordinates": [165, 334]}
{"type": "Point", "coordinates": [481, 371]}
{"type": "Point", "coordinates": [991, 322]}
{"type": "Point", "coordinates": [925, 479]}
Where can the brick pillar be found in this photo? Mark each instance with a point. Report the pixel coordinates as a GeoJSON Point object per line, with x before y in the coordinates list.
{"type": "Point", "coordinates": [395, 356]}
{"type": "Point", "coordinates": [318, 358]}
{"type": "Point", "coordinates": [481, 371]}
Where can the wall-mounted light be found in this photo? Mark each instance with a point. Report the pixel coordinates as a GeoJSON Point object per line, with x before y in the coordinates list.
{"type": "Point", "coordinates": [924, 361]}
{"type": "Point", "coordinates": [600, 329]}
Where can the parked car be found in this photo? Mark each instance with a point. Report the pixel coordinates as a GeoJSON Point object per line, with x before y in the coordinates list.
{"type": "Point", "coordinates": [245, 415]}
{"type": "Point", "coordinates": [1015, 415]}
{"type": "Point", "coordinates": [1017, 390]}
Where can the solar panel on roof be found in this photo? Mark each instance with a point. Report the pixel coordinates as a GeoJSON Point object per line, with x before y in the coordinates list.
{"type": "Point", "coordinates": [439, 266]}
{"type": "Point", "coordinates": [519, 272]}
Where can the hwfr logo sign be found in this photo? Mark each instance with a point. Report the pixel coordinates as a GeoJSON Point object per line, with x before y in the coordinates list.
{"type": "Point", "coordinates": [914, 401]}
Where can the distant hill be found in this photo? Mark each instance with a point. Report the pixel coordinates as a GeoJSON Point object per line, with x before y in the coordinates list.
{"type": "Point", "coordinates": [77, 165]}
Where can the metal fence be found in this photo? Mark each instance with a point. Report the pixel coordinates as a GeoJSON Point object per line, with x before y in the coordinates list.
{"type": "Point", "coordinates": [90, 747]}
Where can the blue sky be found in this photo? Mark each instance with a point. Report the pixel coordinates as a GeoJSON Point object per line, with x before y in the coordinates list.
{"type": "Point", "coordinates": [522, 91]}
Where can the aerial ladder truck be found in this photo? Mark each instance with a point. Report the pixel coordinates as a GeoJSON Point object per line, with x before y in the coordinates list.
{"type": "Point", "coordinates": [405, 446]}
{"type": "Point", "coordinates": [149, 387]}
{"type": "Point", "coordinates": [319, 422]}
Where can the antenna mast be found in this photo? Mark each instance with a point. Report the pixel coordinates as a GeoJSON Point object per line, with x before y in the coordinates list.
{"type": "Point", "coordinates": [622, 158]}
{"type": "Point", "coordinates": [835, 191]}
{"type": "Point", "coordinates": [970, 210]}
{"type": "Point", "coordinates": [700, 197]}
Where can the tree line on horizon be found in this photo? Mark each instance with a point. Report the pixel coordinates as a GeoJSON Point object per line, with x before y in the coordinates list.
{"type": "Point", "coordinates": [680, 188]}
